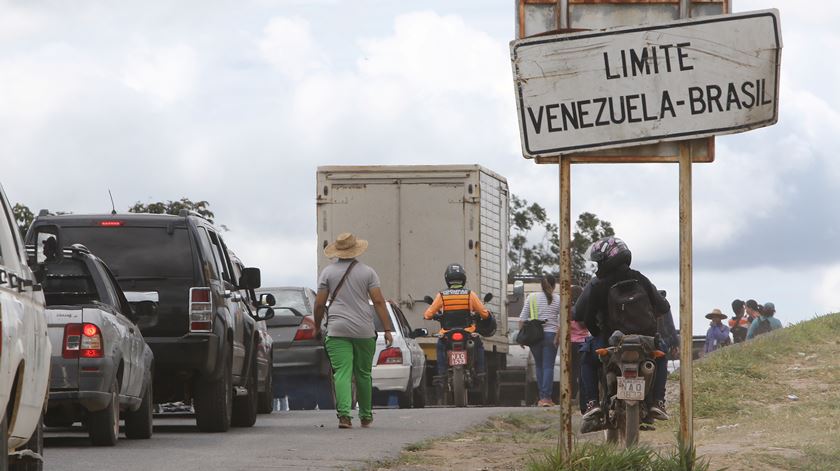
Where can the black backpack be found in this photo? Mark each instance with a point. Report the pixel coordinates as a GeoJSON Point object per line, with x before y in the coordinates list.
{"type": "Point", "coordinates": [763, 327]}
{"type": "Point", "coordinates": [629, 309]}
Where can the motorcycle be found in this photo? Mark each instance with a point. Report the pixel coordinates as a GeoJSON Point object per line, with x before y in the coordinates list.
{"type": "Point", "coordinates": [460, 346]}
{"type": "Point", "coordinates": [628, 372]}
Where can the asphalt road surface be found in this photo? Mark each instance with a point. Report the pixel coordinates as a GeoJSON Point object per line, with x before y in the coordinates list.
{"type": "Point", "coordinates": [299, 440]}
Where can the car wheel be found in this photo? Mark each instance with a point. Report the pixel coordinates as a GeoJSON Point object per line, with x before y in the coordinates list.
{"type": "Point", "coordinates": [213, 401]}
{"type": "Point", "coordinates": [245, 407]}
{"type": "Point", "coordinates": [420, 393]}
{"type": "Point", "coordinates": [35, 444]}
{"type": "Point", "coordinates": [104, 425]}
{"type": "Point", "coordinates": [406, 398]}
{"type": "Point", "coordinates": [139, 423]}
{"type": "Point", "coordinates": [265, 399]}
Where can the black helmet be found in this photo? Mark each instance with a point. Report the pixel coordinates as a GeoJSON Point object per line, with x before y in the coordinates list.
{"type": "Point", "coordinates": [455, 274]}
{"type": "Point", "coordinates": [486, 327]}
{"type": "Point", "coordinates": [609, 252]}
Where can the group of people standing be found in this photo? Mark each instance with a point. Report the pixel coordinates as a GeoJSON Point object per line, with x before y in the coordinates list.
{"type": "Point", "coordinates": [750, 320]}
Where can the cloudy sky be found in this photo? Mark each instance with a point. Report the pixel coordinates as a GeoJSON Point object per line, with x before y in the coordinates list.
{"type": "Point", "coordinates": [238, 102]}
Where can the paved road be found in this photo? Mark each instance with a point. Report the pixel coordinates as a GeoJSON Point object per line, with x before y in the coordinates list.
{"type": "Point", "coordinates": [299, 440]}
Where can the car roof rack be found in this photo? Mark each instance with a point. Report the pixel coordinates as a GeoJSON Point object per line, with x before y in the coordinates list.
{"type": "Point", "coordinates": [189, 212]}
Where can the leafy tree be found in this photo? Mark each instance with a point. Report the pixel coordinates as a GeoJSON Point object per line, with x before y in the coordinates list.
{"type": "Point", "coordinates": [544, 256]}
{"type": "Point", "coordinates": [23, 218]}
{"type": "Point", "coordinates": [174, 207]}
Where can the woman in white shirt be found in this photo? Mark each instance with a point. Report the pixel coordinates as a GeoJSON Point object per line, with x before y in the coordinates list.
{"type": "Point", "coordinates": [547, 308]}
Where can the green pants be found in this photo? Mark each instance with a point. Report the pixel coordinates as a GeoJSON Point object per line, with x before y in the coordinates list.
{"type": "Point", "coordinates": [351, 357]}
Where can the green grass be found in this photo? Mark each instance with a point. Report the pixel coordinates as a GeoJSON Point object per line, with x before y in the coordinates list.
{"type": "Point", "coordinates": [591, 456]}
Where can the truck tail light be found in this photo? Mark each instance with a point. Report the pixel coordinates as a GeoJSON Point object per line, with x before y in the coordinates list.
{"type": "Point", "coordinates": [390, 356]}
{"type": "Point", "coordinates": [82, 341]}
{"type": "Point", "coordinates": [201, 310]}
{"type": "Point", "coordinates": [306, 330]}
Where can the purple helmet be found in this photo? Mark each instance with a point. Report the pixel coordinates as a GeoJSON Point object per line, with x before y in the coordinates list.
{"type": "Point", "coordinates": [608, 249]}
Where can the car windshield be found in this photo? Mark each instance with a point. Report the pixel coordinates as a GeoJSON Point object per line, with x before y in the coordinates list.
{"type": "Point", "coordinates": [136, 252]}
{"type": "Point", "coordinates": [294, 298]}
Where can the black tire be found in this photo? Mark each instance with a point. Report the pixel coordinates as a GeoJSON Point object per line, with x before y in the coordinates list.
{"type": "Point", "coordinates": [245, 407]}
{"type": "Point", "coordinates": [139, 424]}
{"type": "Point", "coordinates": [104, 425]}
{"type": "Point", "coordinates": [4, 443]}
{"type": "Point", "coordinates": [631, 425]}
{"type": "Point", "coordinates": [213, 402]}
{"type": "Point", "coordinates": [406, 398]}
{"type": "Point", "coordinates": [420, 393]}
{"type": "Point", "coordinates": [459, 387]}
{"type": "Point", "coordinates": [36, 444]}
{"type": "Point", "coordinates": [265, 399]}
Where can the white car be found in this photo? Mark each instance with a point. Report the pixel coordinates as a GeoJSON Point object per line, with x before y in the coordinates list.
{"type": "Point", "coordinates": [24, 351]}
{"type": "Point", "coordinates": [402, 367]}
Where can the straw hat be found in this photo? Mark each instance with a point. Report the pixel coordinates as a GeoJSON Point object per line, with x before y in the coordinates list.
{"type": "Point", "coordinates": [715, 313]}
{"type": "Point", "coordinates": [346, 245]}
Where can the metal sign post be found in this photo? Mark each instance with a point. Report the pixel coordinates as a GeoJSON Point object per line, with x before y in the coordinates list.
{"type": "Point", "coordinates": [565, 332]}
{"type": "Point", "coordinates": [686, 296]}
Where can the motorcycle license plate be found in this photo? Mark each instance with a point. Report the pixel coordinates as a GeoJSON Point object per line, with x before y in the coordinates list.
{"type": "Point", "coordinates": [631, 389]}
{"type": "Point", "coordinates": [457, 358]}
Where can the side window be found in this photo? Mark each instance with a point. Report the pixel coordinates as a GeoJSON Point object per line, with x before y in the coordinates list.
{"type": "Point", "coordinates": [209, 262]}
{"type": "Point", "coordinates": [7, 241]}
{"type": "Point", "coordinates": [221, 257]}
{"type": "Point", "coordinates": [406, 329]}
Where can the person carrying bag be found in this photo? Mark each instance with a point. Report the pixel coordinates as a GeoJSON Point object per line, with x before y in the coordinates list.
{"type": "Point", "coordinates": [539, 332]}
{"type": "Point", "coordinates": [531, 331]}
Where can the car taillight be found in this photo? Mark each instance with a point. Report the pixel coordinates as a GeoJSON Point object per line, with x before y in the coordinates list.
{"type": "Point", "coordinates": [457, 336]}
{"type": "Point", "coordinates": [390, 356]}
{"type": "Point", "coordinates": [201, 310]}
{"type": "Point", "coordinates": [82, 340]}
{"type": "Point", "coordinates": [110, 223]}
{"type": "Point", "coordinates": [306, 330]}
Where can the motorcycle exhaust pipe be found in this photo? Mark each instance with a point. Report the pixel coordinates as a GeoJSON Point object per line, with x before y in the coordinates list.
{"type": "Point", "coordinates": [648, 368]}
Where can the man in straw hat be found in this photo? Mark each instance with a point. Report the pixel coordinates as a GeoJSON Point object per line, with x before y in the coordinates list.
{"type": "Point", "coordinates": [350, 286]}
{"type": "Point", "coordinates": [718, 334]}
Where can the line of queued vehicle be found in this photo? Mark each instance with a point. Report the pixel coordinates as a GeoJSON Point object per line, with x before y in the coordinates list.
{"type": "Point", "coordinates": [105, 316]}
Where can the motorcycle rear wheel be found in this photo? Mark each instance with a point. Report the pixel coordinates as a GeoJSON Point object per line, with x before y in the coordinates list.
{"type": "Point", "coordinates": [459, 386]}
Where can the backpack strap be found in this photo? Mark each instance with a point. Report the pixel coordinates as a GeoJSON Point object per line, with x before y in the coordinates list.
{"type": "Point", "coordinates": [340, 284]}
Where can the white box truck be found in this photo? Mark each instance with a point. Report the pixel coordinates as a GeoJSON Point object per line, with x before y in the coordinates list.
{"type": "Point", "coordinates": [418, 219]}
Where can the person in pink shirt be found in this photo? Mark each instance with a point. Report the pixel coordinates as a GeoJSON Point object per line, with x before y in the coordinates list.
{"type": "Point", "coordinates": [579, 335]}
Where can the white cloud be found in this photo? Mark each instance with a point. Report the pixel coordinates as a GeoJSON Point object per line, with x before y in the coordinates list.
{"type": "Point", "coordinates": [166, 74]}
{"type": "Point", "coordinates": [827, 289]}
{"type": "Point", "coordinates": [289, 46]}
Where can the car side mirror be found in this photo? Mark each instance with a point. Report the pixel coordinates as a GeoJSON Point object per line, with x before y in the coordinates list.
{"type": "Point", "coordinates": [267, 299]}
{"type": "Point", "coordinates": [264, 313]}
{"type": "Point", "coordinates": [488, 297]}
{"type": "Point", "coordinates": [419, 333]}
{"type": "Point", "coordinates": [250, 278]}
{"type": "Point", "coordinates": [428, 300]}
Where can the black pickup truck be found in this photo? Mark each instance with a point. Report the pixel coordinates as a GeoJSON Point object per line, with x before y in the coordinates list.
{"type": "Point", "coordinates": [203, 329]}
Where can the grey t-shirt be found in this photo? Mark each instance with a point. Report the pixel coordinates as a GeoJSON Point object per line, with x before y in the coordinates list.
{"type": "Point", "coordinates": [351, 314]}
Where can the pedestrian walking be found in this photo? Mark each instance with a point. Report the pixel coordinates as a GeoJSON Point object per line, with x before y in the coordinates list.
{"type": "Point", "coordinates": [346, 289]}
{"type": "Point", "coordinates": [544, 306]}
{"type": "Point", "coordinates": [717, 335]}
{"type": "Point", "coordinates": [738, 324]}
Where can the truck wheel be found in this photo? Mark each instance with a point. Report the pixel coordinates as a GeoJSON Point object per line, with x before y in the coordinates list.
{"type": "Point", "coordinates": [104, 425]}
{"type": "Point", "coordinates": [265, 399]}
{"type": "Point", "coordinates": [420, 393]}
{"type": "Point", "coordinates": [245, 407]}
{"type": "Point", "coordinates": [213, 401]}
{"type": "Point", "coordinates": [139, 423]}
{"type": "Point", "coordinates": [406, 398]}
{"type": "Point", "coordinates": [459, 387]}
{"type": "Point", "coordinates": [36, 444]}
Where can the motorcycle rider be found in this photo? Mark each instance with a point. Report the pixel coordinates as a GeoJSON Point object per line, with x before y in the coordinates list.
{"type": "Point", "coordinates": [613, 258]}
{"type": "Point", "coordinates": [456, 301]}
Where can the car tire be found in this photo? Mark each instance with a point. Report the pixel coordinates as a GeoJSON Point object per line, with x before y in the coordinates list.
{"type": "Point", "coordinates": [245, 407]}
{"type": "Point", "coordinates": [104, 425]}
{"type": "Point", "coordinates": [420, 393]}
{"type": "Point", "coordinates": [139, 423]}
{"type": "Point", "coordinates": [213, 401]}
{"type": "Point", "coordinates": [265, 399]}
{"type": "Point", "coordinates": [406, 398]}
{"type": "Point", "coordinates": [36, 444]}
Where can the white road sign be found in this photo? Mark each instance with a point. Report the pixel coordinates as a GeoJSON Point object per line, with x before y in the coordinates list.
{"type": "Point", "coordinates": [645, 84]}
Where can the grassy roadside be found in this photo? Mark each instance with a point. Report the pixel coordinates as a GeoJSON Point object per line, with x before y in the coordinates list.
{"type": "Point", "coordinates": [769, 404]}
